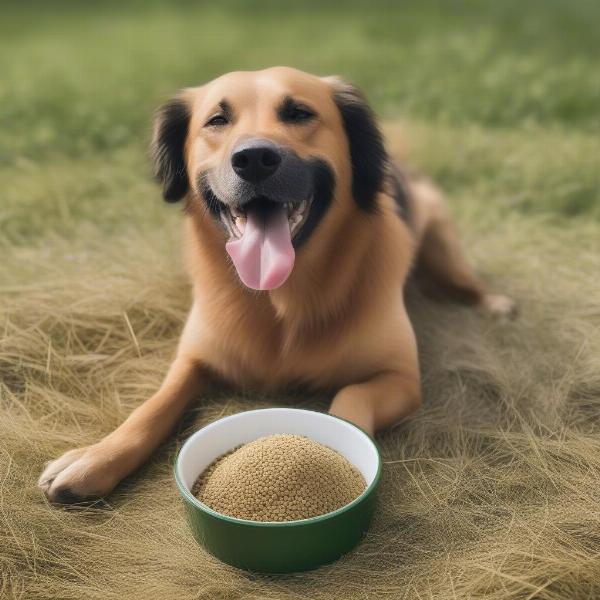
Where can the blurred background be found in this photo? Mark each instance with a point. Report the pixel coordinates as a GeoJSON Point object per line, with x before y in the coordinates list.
{"type": "Point", "coordinates": [80, 80]}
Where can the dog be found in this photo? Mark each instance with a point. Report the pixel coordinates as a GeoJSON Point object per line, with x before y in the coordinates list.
{"type": "Point", "coordinates": [300, 233]}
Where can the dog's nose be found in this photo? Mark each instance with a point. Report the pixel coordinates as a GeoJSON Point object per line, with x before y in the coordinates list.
{"type": "Point", "coordinates": [256, 160]}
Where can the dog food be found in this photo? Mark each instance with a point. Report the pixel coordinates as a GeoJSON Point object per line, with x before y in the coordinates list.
{"type": "Point", "coordinates": [279, 478]}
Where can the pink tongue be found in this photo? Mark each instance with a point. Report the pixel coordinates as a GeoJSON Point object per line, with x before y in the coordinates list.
{"type": "Point", "coordinates": [264, 255]}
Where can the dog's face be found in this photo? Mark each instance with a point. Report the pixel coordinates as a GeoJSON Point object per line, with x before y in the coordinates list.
{"type": "Point", "coordinates": [271, 154]}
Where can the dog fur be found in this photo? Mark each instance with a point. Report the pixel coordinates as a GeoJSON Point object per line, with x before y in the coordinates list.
{"type": "Point", "coordinates": [339, 321]}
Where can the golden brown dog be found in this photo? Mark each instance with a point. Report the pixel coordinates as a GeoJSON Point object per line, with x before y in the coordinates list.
{"type": "Point", "coordinates": [299, 235]}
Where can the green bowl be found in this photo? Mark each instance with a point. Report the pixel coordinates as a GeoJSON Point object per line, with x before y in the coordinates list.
{"type": "Point", "coordinates": [278, 547]}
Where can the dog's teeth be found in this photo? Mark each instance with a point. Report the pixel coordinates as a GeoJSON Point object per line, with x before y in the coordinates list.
{"type": "Point", "coordinates": [240, 224]}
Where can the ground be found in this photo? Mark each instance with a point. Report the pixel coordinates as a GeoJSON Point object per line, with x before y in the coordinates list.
{"type": "Point", "coordinates": [492, 490]}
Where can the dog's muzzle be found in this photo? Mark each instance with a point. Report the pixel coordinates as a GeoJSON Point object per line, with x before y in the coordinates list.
{"type": "Point", "coordinates": [265, 196]}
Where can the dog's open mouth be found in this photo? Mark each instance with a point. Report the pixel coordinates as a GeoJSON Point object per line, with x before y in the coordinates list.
{"type": "Point", "coordinates": [260, 243]}
{"type": "Point", "coordinates": [234, 218]}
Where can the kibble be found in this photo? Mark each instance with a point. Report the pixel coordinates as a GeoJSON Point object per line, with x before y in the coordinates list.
{"type": "Point", "coordinates": [279, 478]}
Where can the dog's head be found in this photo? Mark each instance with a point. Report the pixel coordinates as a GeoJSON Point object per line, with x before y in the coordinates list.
{"type": "Point", "coordinates": [271, 154]}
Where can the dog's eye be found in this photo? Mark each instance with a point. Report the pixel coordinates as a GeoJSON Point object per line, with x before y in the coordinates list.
{"type": "Point", "coordinates": [296, 114]}
{"type": "Point", "coordinates": [216, 121]}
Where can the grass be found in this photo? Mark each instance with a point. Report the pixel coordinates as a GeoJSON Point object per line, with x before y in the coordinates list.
{"type": "Point", "coordinates": [490, 492]}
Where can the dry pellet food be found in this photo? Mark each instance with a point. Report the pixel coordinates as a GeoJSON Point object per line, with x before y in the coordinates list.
{"type": "Point", "coordinates": [279, 478]}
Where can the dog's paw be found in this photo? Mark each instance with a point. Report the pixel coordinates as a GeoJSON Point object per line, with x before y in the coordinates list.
{"type": "Point", "coordinates": [499, 305]}
{"type": "Point", "coordinates": [77, 476]}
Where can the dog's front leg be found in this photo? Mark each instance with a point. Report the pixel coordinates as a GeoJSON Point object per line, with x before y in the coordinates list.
{"type": "Point", "coordinates": [379, 402]}
{"type": "Point", "coordinates": [93, 471]}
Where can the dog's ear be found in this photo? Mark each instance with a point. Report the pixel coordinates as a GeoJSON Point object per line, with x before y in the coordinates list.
{"type": "Point", "coordinates": [367, 150]}
{"type": "Point", "coordinates": [167, 148]}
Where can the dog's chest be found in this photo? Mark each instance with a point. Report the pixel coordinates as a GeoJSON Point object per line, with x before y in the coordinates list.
{"type": "Point", "coordinates": [259, 352]}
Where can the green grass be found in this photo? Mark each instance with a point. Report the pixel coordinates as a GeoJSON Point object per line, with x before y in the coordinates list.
{"type": "Point", "coordinates": [79, 79]}
{"type": "Point", "coordinates": [79, 84]}
{"type": "Point", "coordinates": [490, 491]}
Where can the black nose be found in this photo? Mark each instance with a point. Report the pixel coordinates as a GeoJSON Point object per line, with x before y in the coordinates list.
{"type": "Point", "coordinates": [256, 160]}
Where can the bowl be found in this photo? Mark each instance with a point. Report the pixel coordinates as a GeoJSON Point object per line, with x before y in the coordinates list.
{"type": "Point", "coordinates": [288, 546]}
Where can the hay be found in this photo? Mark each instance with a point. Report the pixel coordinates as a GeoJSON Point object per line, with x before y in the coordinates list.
{"type": "Point", "coordinates": [490, 492]}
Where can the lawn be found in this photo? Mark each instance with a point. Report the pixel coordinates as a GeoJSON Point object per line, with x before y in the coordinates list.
{"type": "Point", "coordinates": [492, 490]}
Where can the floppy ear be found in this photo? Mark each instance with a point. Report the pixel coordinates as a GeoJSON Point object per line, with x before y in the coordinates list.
{"type": "Point", "coordinates": [367, 151]}
{"type": "Point", "coordinates": [167, 147]}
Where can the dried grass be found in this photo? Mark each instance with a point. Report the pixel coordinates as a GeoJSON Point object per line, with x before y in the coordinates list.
{"type": "Point", "coordinates": [491, 492]}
